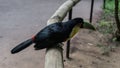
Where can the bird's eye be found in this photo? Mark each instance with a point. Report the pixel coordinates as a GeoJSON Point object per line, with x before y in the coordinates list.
{"type": "Point", "coordinates": [81, 25]}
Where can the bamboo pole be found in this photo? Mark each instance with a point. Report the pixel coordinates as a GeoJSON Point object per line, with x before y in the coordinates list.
{"type": "Point", "coordinates": [54, 55]}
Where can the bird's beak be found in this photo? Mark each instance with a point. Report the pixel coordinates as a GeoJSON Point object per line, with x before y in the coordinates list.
{"type": "Point", "coordinates": [87, 25]}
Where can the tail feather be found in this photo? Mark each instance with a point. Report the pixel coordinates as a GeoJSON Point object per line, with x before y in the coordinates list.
{"type": "Point", "coordinates": [22, 46]}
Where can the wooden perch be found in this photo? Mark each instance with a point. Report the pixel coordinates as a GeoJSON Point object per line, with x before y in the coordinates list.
{"type": "Point", "coordinates": [54, 55]}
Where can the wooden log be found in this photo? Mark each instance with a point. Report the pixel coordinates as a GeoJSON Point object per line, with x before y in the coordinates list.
{"type": "Point", "coordinates": [62, 11]}
{"type": "Point", "coordinates": [54, 55]}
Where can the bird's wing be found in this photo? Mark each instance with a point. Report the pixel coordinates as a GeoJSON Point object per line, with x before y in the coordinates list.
{"type": "Point", "coordinates": [49, 36]}
{"type": "Point", "coordinates": [50, 32]}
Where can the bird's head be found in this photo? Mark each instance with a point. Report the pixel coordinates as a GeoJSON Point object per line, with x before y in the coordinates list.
{"type": "Point", "coordinates": [82, 24]}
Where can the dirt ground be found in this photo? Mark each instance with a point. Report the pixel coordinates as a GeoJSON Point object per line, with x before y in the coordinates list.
{"type": "Point", "coordinates": [86, 54]}
{"type": "Point", "coordinates": [20, 19]}
{"type": "Point", "coordinates": [92, 49]}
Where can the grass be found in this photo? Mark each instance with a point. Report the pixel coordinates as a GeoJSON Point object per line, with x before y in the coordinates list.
{"type": "Point", "coordinates": [107, 25]}
{"type": "Point", "coordinates": [109, 10]}
{"type": "Point", "coordinates": [110, 6]}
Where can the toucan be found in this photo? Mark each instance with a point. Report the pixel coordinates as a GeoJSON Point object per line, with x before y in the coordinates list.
{"type": "Point", "coordinates": [53, 34]}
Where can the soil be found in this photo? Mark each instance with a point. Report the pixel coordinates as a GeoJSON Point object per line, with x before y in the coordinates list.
{"type": "Point", "coordinates": [92, 49]}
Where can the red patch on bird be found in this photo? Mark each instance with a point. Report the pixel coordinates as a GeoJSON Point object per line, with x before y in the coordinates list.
{"type": "Point", "coordinates": [33, 37]}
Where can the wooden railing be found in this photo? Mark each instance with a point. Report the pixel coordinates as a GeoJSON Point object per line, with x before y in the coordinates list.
{"type": "Point", "coordinates": [54, 55]}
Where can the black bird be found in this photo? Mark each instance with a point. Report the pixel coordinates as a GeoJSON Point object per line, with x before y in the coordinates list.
{"type": "Point", "coordinates": [54, 34]}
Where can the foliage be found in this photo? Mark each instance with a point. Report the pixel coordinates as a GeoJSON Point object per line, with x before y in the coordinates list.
{"type": "Point", "coordinates": [106, 27]}
{"type": "Point", "coordinates": [107, 22]}
{"type": "Point", "coordinates": [110, 7]}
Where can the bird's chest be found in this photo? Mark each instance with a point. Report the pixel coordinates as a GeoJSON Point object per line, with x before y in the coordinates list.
{"type": "Point", "coordinates": [73, 32]}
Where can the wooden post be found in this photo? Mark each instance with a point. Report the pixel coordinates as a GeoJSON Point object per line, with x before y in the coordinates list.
{"type": "Point", "coordinates": [54, 56]}
{"type": "Point", "coordinates": [91, 11]}
{"type": "Point", "coordinates": [104, 4]}
{"type": "Point", "coordinates": [68, 42]}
